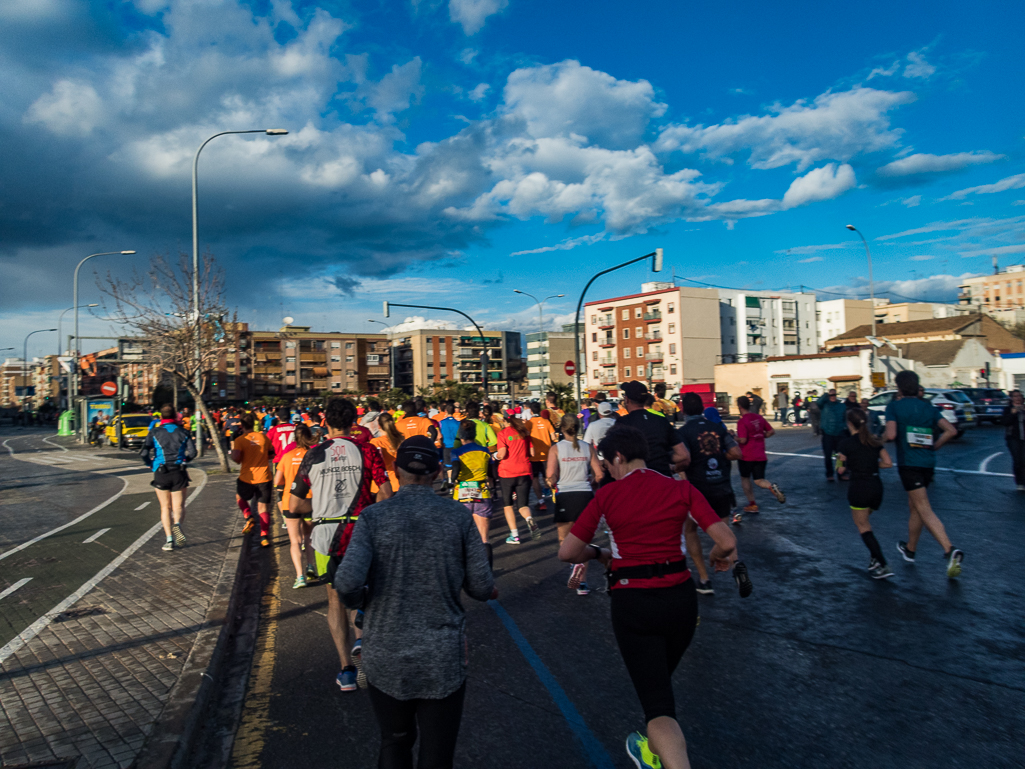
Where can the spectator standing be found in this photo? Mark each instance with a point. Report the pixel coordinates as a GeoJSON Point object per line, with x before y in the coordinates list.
{"type": "Point", "coordinates": [814, 413]}
{"type": "Point", "coordinates": [833, 423]}
{"type": "Point", "coordinates": [1013, 421]}
{"type": "Point", "coordinates": [782, 406]}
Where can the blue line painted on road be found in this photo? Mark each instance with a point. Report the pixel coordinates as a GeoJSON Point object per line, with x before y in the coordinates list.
{"type": "Point", "coordinates": [594, 750]}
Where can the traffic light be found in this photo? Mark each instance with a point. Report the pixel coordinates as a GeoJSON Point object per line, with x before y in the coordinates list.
{"type": "Point", "coordinates": [656, 261]}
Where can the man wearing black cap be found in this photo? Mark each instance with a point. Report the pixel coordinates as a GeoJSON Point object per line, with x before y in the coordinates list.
{"type": "Point", "coordinates": [415, 553]}
{"type": "Point", "coordinates": [665, 447]}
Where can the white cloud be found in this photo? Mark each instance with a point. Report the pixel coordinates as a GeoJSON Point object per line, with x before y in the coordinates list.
{"type": "Point", "coordinates": [813, 249]}
{"type": "Point", "coordinates": [479, 92]}
{"type": "Point", "coordinates": [415, 322]}
{"type": "Point", "coordinates": [1015, 182]}
{"type": "Point", "coordinates": [567, 99]}
{"type": "Point", "coordinates": [835, 126]}
{"type": "Point", "coordinates": [918, 66]}
{"type": "Point", "coordinates": [472, 14]}
{"type": "Point", "coordinates": [998, 250]}
{"type": "Point", "coordinates": [72, 108]}
{"type": "Point", "coordinates": [921, 163]}
{"type": "Point", "coordinates": [810, 259]}
{"type": "Point", "coordinates": [824, 183]}
{"type": "Point", "coordinates": [913, 201]}
{"type": "Point", "coordinates": [885, 71]}
{"type": "Point", "coordinates": [467, 55]}
{"type": "Point", "coordinates": [565, 245]}
{"type": "Point", "coordinates": [937, 288]}
{"type": "Point", "coordinates": [923, 258]}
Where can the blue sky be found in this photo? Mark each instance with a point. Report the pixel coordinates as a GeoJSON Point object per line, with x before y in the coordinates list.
{"type": "Point", "coordinates": [449, 151]}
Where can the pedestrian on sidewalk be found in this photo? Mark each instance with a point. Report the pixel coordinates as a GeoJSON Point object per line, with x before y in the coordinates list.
{"type": "Point", "coordinates": [752, 430]}
{"type": "Point", "coordinates": [166, 450]}
{"type": "Point", "coordinates": [1013, 421]}
{"type": "Point", "coordinates": [415, 639]}
{"type": "Point", "coordinates": [833, 425]}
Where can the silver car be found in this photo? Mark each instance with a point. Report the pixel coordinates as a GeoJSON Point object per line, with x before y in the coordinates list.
{"type": "Point", "coordinates": [954, 406]}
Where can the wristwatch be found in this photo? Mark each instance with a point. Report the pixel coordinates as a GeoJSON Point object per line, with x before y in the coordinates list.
{"type": "Point", "coordinates": [597, 552]}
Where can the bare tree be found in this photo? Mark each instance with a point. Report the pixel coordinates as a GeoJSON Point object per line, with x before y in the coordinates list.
{"type": "Point", "coordinates": [182, 340]}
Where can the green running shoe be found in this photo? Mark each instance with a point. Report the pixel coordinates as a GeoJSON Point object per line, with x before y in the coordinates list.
{"type": "Point", "coordinates": [638, 750]}
{"type": "Point", "coordinates": [300, 581]}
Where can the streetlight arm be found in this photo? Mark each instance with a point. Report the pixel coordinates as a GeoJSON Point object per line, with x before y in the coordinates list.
{"type": "Point", "coordinates": [484, 371]}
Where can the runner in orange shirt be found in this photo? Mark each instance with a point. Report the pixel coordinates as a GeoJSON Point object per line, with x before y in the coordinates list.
{"type": "Point", "coordinates": [542, 436]}
{"type": "Point", "coordinates": [299, 529]}
{"type": "Point", "coordinates": [411, 424]}
{"type": "Point", "coordinates": [253, 451]}
{"type": "Point", "coordinates": [388, 442]}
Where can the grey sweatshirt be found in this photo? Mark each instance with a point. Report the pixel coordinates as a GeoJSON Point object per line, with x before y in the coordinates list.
{"type": "Point", "coordinates": [417, 551]}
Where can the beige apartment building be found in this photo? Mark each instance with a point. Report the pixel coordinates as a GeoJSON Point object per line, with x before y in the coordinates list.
{"type": "Point", "coordinates": [1001, 290]}
{"type": "Point", "coordinates": [426, 357]}
{"type": "Point", "coordinates": [668, 335]}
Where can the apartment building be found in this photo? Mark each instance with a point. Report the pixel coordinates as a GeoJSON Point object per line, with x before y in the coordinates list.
{"type": "Point", "coordinates": [296, 361]}
{"type": "Point", "coordinates": [547, 354]}
{"type": "Point", "coordinates": [426, 357]}
{"type": "Point", "coordinates": [1000, 290]}
{"type": "Point", "coordinates": [13, 378]}
{"type": "Point", "coordinates": [838, 316]}
{"type": "Point", "coordinates": [663, 334]}
{"type": "Point", "coordinates": [755, 325]}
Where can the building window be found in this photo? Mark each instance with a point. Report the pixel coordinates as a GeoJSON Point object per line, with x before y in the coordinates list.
{"type": "Point", "coordinates": [595, 374]}
{"type": "Point", "coordinates": [671, 307]}
{"type": "Point", "coordinates": [336, 345]}
{"type": "Point", "coordinates": [594, 320]}
{"type": "Point", "coordinates": [733, 340]}
{"type": "Point", "coordinates": [626, 314]}
{"type": "Point", "coordinates": [290, 359]}
{"type": "Point", "coordinates": [672, 328]}
{"type": "Point", "coordinates": [336, 385]}
{"type": "Point", "coordinates": [594, 336]}
{"type": "Point", "coordinates": [638, 312]}
{"type": "Point", "coordinates": [672, 348]}
{"type": "Point", "coordinates": [672, 369]}
{"type": "Point", "coordinates": [626, 333]}
{"type": "Point", "coordinates": [289, 344]}
{"type": "Point", "coordinates": [626, 372]}
{"type": "Point", "coordinates": [336, 358]}
{"type": "Point", "coordinates": [594, 355]}
{"type": "Point", "coordinates": [348, 359]}
{"type": "Point", "coordinates": [626, 352]}
{"type": "Point", "coordinates": [640, 352]}
{"type": "Point", "coordinates": [348, 345]}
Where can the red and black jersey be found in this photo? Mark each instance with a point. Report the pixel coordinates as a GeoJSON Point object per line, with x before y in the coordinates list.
{"type": "Point", "coordinates": [282, 437]}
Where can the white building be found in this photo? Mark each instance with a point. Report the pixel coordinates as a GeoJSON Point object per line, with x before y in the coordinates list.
{"type": "Point", "coordinates": [836, 316]}
{"type": "Point", "coordinates": [754, 325]}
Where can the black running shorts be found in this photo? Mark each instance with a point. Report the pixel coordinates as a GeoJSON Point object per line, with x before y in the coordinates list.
{"type": "Point", "coordinates": [915, 477]}
{"type": "Point", "coordinates": [722, 504]}
{"type": "Point", "coordinates": [520, 485]}
{"type": "Point", "coordinates": [865, 492]}
{"type": "Point", "coordinates": [753, 469]}
{"type": "Point", "coordinates": [170, 479]}
{"type": "Point", "coordinates": [539, 469]}
{"type": "Point", "coordinates": [569, 505]}
{"type": "Point", "coordinates": [260, 491]}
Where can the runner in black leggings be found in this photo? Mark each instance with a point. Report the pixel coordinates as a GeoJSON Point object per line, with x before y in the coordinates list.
{"type": "Point", "coordinates": [654, 603]}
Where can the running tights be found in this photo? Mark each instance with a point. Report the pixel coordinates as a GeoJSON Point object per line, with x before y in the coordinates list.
{"type": "Point", "coordinates": [873, 546]}
{"type": "Point", "coordinates": [830, 443]}
{"type": "Point", "coordinates": [1017, 449]}
{"type": "Point", "coordinates": [438, 722]}
{"type": "Point", "coordinates": [654, 627]}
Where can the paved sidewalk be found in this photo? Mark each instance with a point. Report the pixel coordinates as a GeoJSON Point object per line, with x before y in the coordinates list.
{"type": "Point", "coordinates": [93, 683]}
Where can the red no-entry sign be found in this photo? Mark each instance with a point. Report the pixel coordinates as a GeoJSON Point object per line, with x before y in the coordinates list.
{"type": "Point", "coordinates": [108, 388]}
{"type": "Point", "coordinates": [570, 368]}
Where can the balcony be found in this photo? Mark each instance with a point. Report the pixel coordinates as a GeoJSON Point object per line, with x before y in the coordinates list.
{"type": "Point", "coordinates": [654, 356]}
{"type": "Point", "coordinates": [312, 357]}
{"type": "Point", "coordinates": [607, 343]}
{"type": "Point", "coordinates": [652, 317]}
{"type": "Point", "coordinates": [608, 380]}
{"type": "Point", "coordinates": [654, 336]}
{"type": "Point", "coordinates": [607, 361]}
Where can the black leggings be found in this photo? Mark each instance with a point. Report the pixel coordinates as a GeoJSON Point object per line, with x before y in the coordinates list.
{"type": "Point", "coordinates": [438, 722]}
{"type": "Point", "coordinates": [654, 627]}
{"type": "Point", "coordinates": [1017, 449]}
{"type": "Point", "coordinates": [830, 443]}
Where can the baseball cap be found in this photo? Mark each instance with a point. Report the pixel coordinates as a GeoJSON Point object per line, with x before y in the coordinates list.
{"type": "Point", "coordinates": [604, 408]}
{"type": "Point", "coordinates": [418, 456]}
{"type": "Point", "coordinates": [635, 391]}
{"type": "Point", "coordinates": [712, 415]}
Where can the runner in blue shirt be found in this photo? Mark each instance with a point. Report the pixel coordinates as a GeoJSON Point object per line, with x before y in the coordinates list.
{"type": "Point", "coordinates": [911, 422]}
{"type": "Point", "coordinates": [449, 427]}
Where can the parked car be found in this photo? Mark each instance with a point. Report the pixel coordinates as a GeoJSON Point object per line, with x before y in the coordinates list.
{"type": "Point", "coordinates": [954, 405]}
{"type": "Point", "coordinates": [134, 429]}
{"type": "Point", "coordinates": [989, 402]}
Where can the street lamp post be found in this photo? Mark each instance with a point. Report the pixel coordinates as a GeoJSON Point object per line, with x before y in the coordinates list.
{"type": "Point", "coordinates": [24, 363]}
{"type": "Point", "coordinates": [541, 327]}
{"type": "Point", "coordinates": [73, 385]}
{"type": "Point", "coordinates": [483, 339]}
{"type": "Point", "coordinates": [871, 297]}
{"type": "Point", "coordinates": [195, 258]}
{"type": "Point", "coordinates": [60, 321]}
{"type": "Point", "coordinates": [656, 266]}
{"type": "Point", "coordinates": [391, 354]}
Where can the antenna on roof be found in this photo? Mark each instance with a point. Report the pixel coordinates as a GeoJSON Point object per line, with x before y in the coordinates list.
{"type": "Point", "coordinates": [996, 269]}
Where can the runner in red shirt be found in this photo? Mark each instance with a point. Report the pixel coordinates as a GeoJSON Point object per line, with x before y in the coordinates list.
{"type": "Point", "coordinates": [514, 476]}
{"type": "Point", "coordinates": [752, 430]}
{"type": "Point", "coordinates": [654, 603]}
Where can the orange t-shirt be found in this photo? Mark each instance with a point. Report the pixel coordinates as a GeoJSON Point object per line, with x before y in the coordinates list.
{"type": "Point", "coordinates": [383, 443]}
{"type": "Point", "coordinates": [414, 425]}
{"type": "Point", "coordinates": [542, 436]}
{"type": "Point", "coordinates": [622, 411]}
{"type": "Point", "coordinates": [256, 450]}
{"type": "Point", "coordinates": [289, 467]}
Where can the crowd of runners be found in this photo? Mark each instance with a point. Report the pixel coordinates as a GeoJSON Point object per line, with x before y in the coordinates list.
{"type": "Point", "coordinates": [392, 511]}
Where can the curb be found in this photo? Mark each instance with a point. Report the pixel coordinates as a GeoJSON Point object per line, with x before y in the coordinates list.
{"type": "Point", "coordinates": [169, 744]}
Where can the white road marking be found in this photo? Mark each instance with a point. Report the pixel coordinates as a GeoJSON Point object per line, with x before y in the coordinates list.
{"type": "Point", "coordinates": [944, 469]}
{"type": "Point", "coordinates": [15, 586]}
{"type": "Point", "coordinates": [982, 465]}
{"type": "Point", "coordinates": [82, 517]}
{"type": "Point", "coordinates": [143, 505]}
{"type": "Point", "coordinates": [96, 536]}
{"type": "Point", "coordinates": [40, 624]}
{"type": "Point", "coordinates": [57, 445]}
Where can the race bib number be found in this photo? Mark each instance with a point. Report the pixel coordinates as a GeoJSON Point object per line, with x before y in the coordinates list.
{"type": "Point", "coordinates": [919, 436]}
{"type": "Point", "coordinates": [469, 490]}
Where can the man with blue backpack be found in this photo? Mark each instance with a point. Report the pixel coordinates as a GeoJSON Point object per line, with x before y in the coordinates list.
{"type": "Point", "coordinates": [166, 451]}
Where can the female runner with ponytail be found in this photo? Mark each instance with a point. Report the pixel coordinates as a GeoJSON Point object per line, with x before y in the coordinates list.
{"type": "Point", "coordinates": [863, 455]}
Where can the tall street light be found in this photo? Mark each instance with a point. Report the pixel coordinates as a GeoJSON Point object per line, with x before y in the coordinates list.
{"type": "Point", "coordinates": [541, 327]}
{"type": "Point", "coordinates": [73, 385]}
{"type": "Point", "coordinates": [24, 363]}
{"type": "Point", "coordinates": [391, 354]}
{"type": "Point", "coordinates": [656, 266]}
{"type": "Point", "coordinates": [60, 320]}
{"type": "Point", "coordinates": [195, 257]}
{"type": "Point", "coordinates": [871, 285]}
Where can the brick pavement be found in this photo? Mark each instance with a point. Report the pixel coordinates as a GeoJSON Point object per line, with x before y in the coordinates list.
{"type": "Point", "coordinates": [93, 683]}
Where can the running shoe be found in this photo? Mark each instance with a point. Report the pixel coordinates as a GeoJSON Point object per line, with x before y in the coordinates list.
{"type": "Point", "coordinates": [357, 621]}
{"type": "Point", "coordinates": [346, 680]}
{"type": "Point", "coordinates": [576, 576]}
{"type": "Point", "coordinates": [168, 546]}
{"type": "Point", "coordinates": [535, 531]}
{"type": "Point", "coordinates": [311, 572]}
{"type": "Point", "coordinates": [878, 570]}
{"type": "Point", "coordinates": [361, 677]}
{"type": "Point", "coordinates": [264, 541]}
{"type": "Point", "coordinates": [777, 492]}
{"type": "Point", "coordinates": [583, 589]}
{"type": "Point", "coordinates": [512, 539]}
{"type": "Point", "coordinates": [752, 508]}
{"type": "Point", "coordinates": [300, 581]}
{"type": "Point", "coordinates": [639, 752]}
{"type": "Point", "coordinates": [357, 649]}
{"type": "Point", "coordinates": [542, 507]}
{"type": "Point", "coordinates": [250, 525]}
{"type": "Point", "coordinates": [705, 588]}
{"type": "Point", "coordinates": [178, 534]}
{"type": "Point", "coordinates": [954, 563]}
{"type": "Point", "coordinates": [743, 581]}
{"type": "Point", "coordinates": [737, 517]}
{"type": "Point", "coordinates": [909, 555]}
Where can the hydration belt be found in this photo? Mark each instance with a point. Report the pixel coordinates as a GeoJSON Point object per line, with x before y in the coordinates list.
{"type": "Point", "coordinates": [645, 571]}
